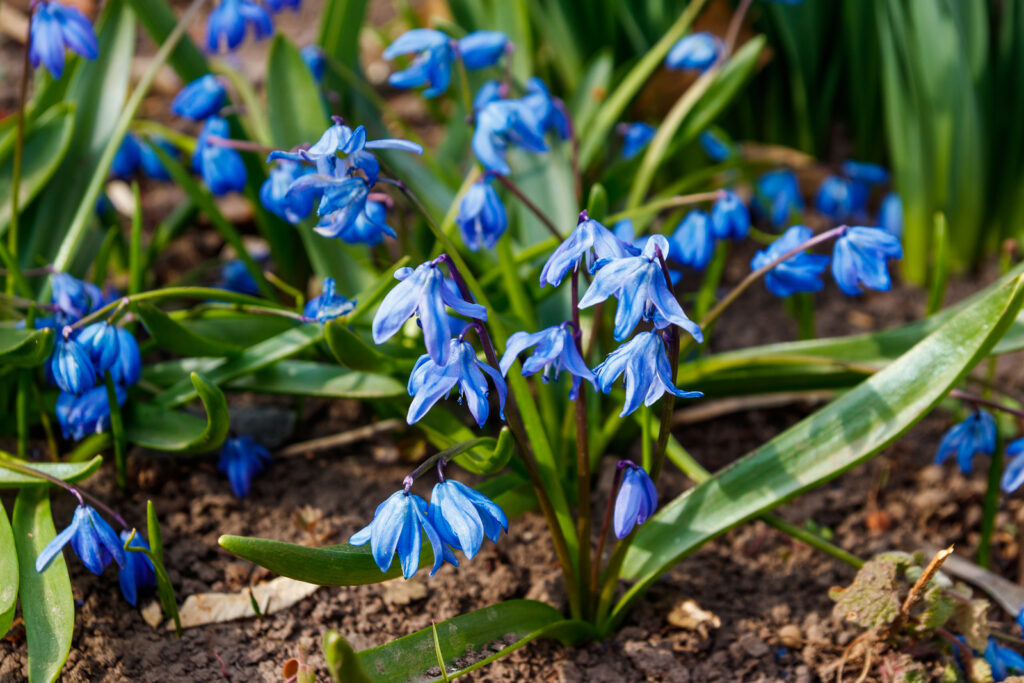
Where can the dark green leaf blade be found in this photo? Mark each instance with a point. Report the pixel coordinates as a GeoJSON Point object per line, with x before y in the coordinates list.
{"type": "Point", "coordinates": [8, 573]}
{"type": "Point", "coordinates": [70, 472]}
{"type": "Point", "coordinates": [161, 429]}
{"type": "Point", "coordinates": [295, 107]}
{"type": "Point", "coordinates": [336, 565]}
{"type": "Point", "coordinates": [45, 147]}
{"type": "Point", "coordinates": [25, 348]}
{"type": "Point", "coordinates": [307, 378]}
{"type": "Point", "coordinates": [176, 338]}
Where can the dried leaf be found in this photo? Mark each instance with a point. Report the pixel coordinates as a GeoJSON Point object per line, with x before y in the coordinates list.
{"type": "Point", "coordinates": [272, 596]}
{"type": "Point", "coordinates": [969, 619]}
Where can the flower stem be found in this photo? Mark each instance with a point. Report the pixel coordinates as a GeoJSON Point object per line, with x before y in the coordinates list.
{"type": "Point", "coordinates": [987, 402]}
{"type": "Point", "coordinates": [583, 523]}
{"type": "Point", "coordinates": [528, 203]}
{"type": "Point", "coordinates": [990, 506]}
{"type": "Point", "coordinates": [19, 149]}
{"type": "Point", "coordinates": [606, 523]}
{"type": "Point", "coordinates": [467, 98]}
{"type": "Point", "coordinates": [117, 430]}
{"type": "Point", "coordinates": [574, 142]}
{"type": "Point", "coordinates": [663, 204]}
{"type": "Point", "coordinates": [734, 26]}
{"type": "Point", "coordinates": [7, 463]}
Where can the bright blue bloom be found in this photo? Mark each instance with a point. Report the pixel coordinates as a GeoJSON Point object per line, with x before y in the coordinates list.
{"type": "Point", "coordinates": [221, 167]}
{"type": "Point", "coordinates": [626, 233]}
{"type": "Point", "coordinates": [697, 51]}
{"type": "Point", "coordinates": [137, 571]}
{"type": "Point", "coordinates": [490, 91]}
{"type": "Point", "coordinates": [835, 198]}
{"type": "Point", "coordinates": [150, 162]}
{"type": "Point", "coordinates": [228, 21]}
{"type": "Point", "coordinates": [504, 122]}
{"type": "Point", "coordinates": [92, 539]}
{"type": "Point", "coordinates": [976, 434]}
{"type": "Point", "coordinates": [890, 215]}
{"type": "Point", "coordinates": [730, 218]}
{"type": "Point", "coordinates": [555, 351]}
{"type": "Point", "coordinates": [100, 340]}
{"type": "Point", "coordinates": [71, 367]}
{"type": "Point", "coordinates": [716, 146]}
{"type": "Point", "coordinates": [482, 219]}
{"type": "Point", "coordinates": [313, 56]}
{"type": "Point", "coordinates": [342, 200]}
{"type": "Point", "coordinates": [636, 500]}
{"type": "Point", "coordinates": [276, 198]}
{"type": "Point", "coordinates": [635, 136]}
{"type": "Point", "coordinates": [432, 66]}
{"type": "Point", "coordinates": [342, 149]}
{"type": "Point", "coordinates": [369, 227]}
{"type": "Point", "coordinates": [463, 516]}
{"type": "Point", "coordinates": [1013, 476]}
{"type": "Point", "coordinates": [639, 284]}
{"type": "Point", "coordinates": [799, 273]}
{"type": "Point", "coordinates": [430, 382]}
{"type": "Point", "coordinates": [80, 416]}
{"type": "Point", "coordinates": [126, 161]}
{"type": "Point", "coordinates": [1003, 661]}
{"type": "Point", "coordinates": [864, 172]}
{"type": "Point", "coordinates": [127, 369]}
{"type": "Point", "coordinates": [590, 239]}
{"type": "Point", "coordinates": [73, 297]}
{"type": "Point", "coordinates": [235, 277]}
{"type": "Point", "coordinates": [329, 305]}
{"type": "Point", "coordinates": [200, 99]}
{"type": "Point", "coordinates": [55, 27]}
{"type": "Point", "coordinates": [241, 459]}
{"type": "Point", "coordinates": [278, 5]}
{"type": "Point", "coordinates": [861, 258]}
{"type": "Point", "coordinates": [648, 372]}
{"type": "Point", "coordinates": [548, 112]}
{"type": "Point", "coordinates": [398, 525]}
{"type": "Point", "coordinates": [695, 240]}
{"type": "Point", "coordinates": [778, 194]}
{"type": "Point", "coordinates": [481, 49]}
{"type": "Point", "coordinates": [424, 292]}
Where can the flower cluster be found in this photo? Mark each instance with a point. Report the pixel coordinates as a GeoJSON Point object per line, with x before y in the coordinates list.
{"type": "Point", "coordinates": [697, 234]}
{"type": "Point", "coordinates": [221, 167]}
{"type": "Point", "coordinates": [136, 154]}
{"type": "Point", "coordinates": [436, 52]}
{"type": "Point", "coordinates": [228, 22]}
{"type": "Point", "coordinates": [54, 28]}
{"type": "Point", "coordinates": [524, 122]}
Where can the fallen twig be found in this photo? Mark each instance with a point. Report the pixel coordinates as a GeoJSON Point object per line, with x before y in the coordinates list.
{"type": "Point", "coordinates": [342, 439]}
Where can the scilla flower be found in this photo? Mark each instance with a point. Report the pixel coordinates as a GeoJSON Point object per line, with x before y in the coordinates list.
{"type": "Point", "coordinates": [1003, 661]}
{"type": "Point", "coordinates": [502, 123]}
{"type": "Point", "coordinates": [697, 51]}
{"type": "Point", "coordinates": [694, 240]}
{"type": "Point", "coordinates": [648, 372]}
{"type": "Point", "coordinates": [890, 215]}
{"type": "Point", "coordinates": [463, 517]}
{"type": "Point", "coordinates": [137, 571]}
{"type": "Point", "coordinates": [861, 257]}
{"type": "Point", "coordinates": [127, 369]}
{"type": "Point", "coordinates": [716, 146]}
{"type": "Point", "coordinates": [71, 366]}
{"type": "Point", "coordinates": [481, 49]}
{"type": "Point", "coordinates": [398, 525]}
{"type": "Point", "coordinates": [635, 136]}
{"type": "Point", "coordinates": [228, 21]}
{"type": "Point", "coordinates": [835, 198]}
{"type": "Point", "coordinates": [200, 99]}
{"type": "Point", "coordinates": [235, 277]}
{"type": "Point", "coordinates": [279, 5]}
{"type": "Point", "coordinates": [329, 305]}
{"type": "Point", "coordinates": [276, 198]}
{"type": "Point", "coordinates": [82, 416]}
{"type": "Point", "coordinates": [730, 218]}
{"type": "Point", "coordinates": [547, 111]}
{"type": "Point", "coordinates": [778, 195]}
{"type": "Point", "coordinates": [221, 167]}
{"type": "Point", "coordinates": [1013, 476]}
{"type": "Point", "coordinates": [369, 227]}
{"type": "Point", "coordinates": [639, 284]}
{"type": "Point", "coordinates": [100, 340]}
{"type": "Point", "coordinates": [92, 539]}
{"type": "Point", "coordinates": [589, 240]}
{"type": "Point", "coordinates": [432, 66]}
{"type": "Point", "coordinates": [150, 163]}
{"type": "Point", "coordinates": [555, 350]}
{"type": "Point", "coordinates": [482, 219]}
{"type": "Point", "coordinates": [126, 161]}
{"type": "Point", "coordinates": [864, 172]}
{"type": "Point", "coordinates": [636, 500]}
{"type": "Point", "coordinates": [976, 434]}
{"type": "Point", "coordinates": [799, 273]}
{"type": "Point", "coordinates": [55, 27]}
{"type": "Point", "coordinates": [313, 56]}
{"type": "Point", "coordinates": [430, 382]}
{"type": "Point", "coordinates": [73, 297]}
{"type": "Point", "coordinates": [241, 459]}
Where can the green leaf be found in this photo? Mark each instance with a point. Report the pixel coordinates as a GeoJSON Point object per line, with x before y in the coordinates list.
{"type": "Point", "coordinates": [71, 472]}
{"type": "Point", "coordinates": [482, 461]}
{"type": "Point", "coordinates": [351, 351]}
{"type": "Point", "coordinates": [295, 107]}
{"type": "Point", "coordinates": [158, 18]}
{"type": "Point", "coordinates": [45, 146]}
{"type": "Point", "coordinates": [342, 660]}
{"type": "Point", "coordinates": [306, 378]}
{"type": "Point", "coordinates": [156, 427]}
{"type": "Point", "coordinates": [336, 565]}
{"type": "Point", "coordinates": [47, 604]}
{"type": "Point", "coordinates": [25, 348]}
{"type": "Point", "coordinates": [8, 574]}
{"type": "Point", "coordinates": [177, 338]}
{"type": "Point", "coordinates": [340, 24]}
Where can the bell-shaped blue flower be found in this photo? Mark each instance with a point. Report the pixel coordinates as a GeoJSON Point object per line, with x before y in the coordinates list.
{"type": "Point", "coordinates": [648, 372]}
{"type": "Point", "coordinates": [276, 198]}
{"type": "Point", "coordinates": [694, 239]}
{"type": "Point", "coordinates": [71, 366]}
{"type": "Point", "coordinates": [639, 284]}
{"type": "Point", "coordinates": [502, 123]}
{"type": "Point", "coordinates": [636, 501]}
{"type": "Point", "coordinates": [313, 56]}
{"type": "Point", "coordinates": [463, 516]}
{"type": "Point", "coordinates": [716, 146]}
{"type": "Point", "coordinates": [432, 66]}
{"type": "Point", "coordinates": [778, 195]}
{"type": "Point", "coordinates": [241, 459]}
{"type": "Point", "coordinates": [865, 172]}
{"type": "Point", "coordinates": [799, 273]}
{"type": "Point", "coordinates": [200, 99]}
{"type": "Point", "coordinates": [151, 164]}
{"type": "Point", "coordinates": [554, 350]}
{"type": "Point", "coordinates": [55, 27]}
{"type": "Point", "coordinates": [429, 382]}
{"type": "Point", "coordinates": [82, 416]}
{"type": "Point", "coordinates": [398, 525]}
{"type": "Point", "coordinates": [482, 219]}
{"type": "Point", "coordinates": [227, 23]}
{"type": "Point", "coordinates": [137, 571]}
{"type": "Point", "coordinates": [100, 340]}
{"type": "Point", "coordinates": [235, 277]}
{"type": "Point", "coordinates": [341, 146]}
{"type": "Point", "coordinates": [127, 159]}
{"type": "Point", "coordinates": [548, 112]}
{"type": "Point", "coordinates": [1013, 475]}
{"type": "Point", "coordinates": [730, 218]}
{"type": "Point", "coordinates": [221, 167]}
{"type": "Point", "coordinates": [697, 51]}
{"type": "Point", "coordinates": [1003, 661]}
{"type": "Point", "coordinates": [635, 136]}
{"type": "Point", "coordinates": [589, 240]}
{"type": "Point", "coordinates": [73, 297]}
{"type": "Point", "coordinates": [835, 198]}
{"type": "Point", "coordinates": [280, 5]}
{"type": "Point", "coordinates": [424, 292]}
{"type": "Point", "coordinates": [976, 434]}
{"type": "Point", "coordinates": [369, 226]}
{"type": "Point", "coordinates": [127, 369]}
{"type": "Point", "coordinates": [890, 215]}
{"type": "Point", "coordinates": [92, 539]}
{"type": "Point", "coordinates": [481, 49]}
{"type": "Point", "coordinates": [329, 305]}
{"type": "Point", "coordinates": [860, 257]}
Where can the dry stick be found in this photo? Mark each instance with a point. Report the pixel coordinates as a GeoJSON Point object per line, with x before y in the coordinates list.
{"type": "Point", "coordinates": [343, 439]}
{"type": "Point", "coordinates": [917, 592]}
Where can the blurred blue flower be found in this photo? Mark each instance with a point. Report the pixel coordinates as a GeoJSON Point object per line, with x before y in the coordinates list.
{"type": "Point", "coordinates": [200, 99]}
{"type": "Point", "coordinates": [695, 240]}
{"type": "Point", "coordinates": [92, 539]}
{"type": "Point", "coordinates": [398, 525]}
{"type": "Point", "coordinates": [482, 219]}
{"type": "Point", "coordinates": [490, 91]}
{"type": "Point", "coordinates": [227, 23]}
{"type": "Point", "coordinates": [481, 49]}
{"type": "Point", "coordinates": [71, 367]}
{"type": "Point", "coordinates": [648, 372]}
{"type": "Point", "coordinates": [502, 123]}
{"type": "Point", "coordinates": [890, 215]}
{"type": "Point", "coordinates": [329, 305]}
{"type": "Point", "coordinates": [151, 164]}
{"type": "Point", "coordinates": [127, 159]}
{"type": "Point", "coordinates": [100, 341]}
{"type": "Point", "coordinates": [864, 172]}
{"type": "Point", "coordinates": [313, 56]}
{"type": "Point", "coordinates": [137, 571]}
{"type": "Point", "coordinates": [279, 5]}
{"type": "Point", "coordinates": [1013, 476]}
{"type": "Point", "coordinates": [463, 516]}
{"type": "Point", "coordinates": [424, 292]}
{"type": "Point", "coordinates": [778, 195]}
{"type": "Point", "coordinates": [241, 459]}
{"type": "Point", "coordinates": [235, 277]}
{"type": "Point", "coordinates": [73, 297]}
{"type": "Point", "coordinates": [555, 351]}
{"type": "Point", "coordinates": [276, 198]}
{"type": "Point", "coordinates": [835, 198]}
{"type": "Point", "coordinates": [861, 257]}
{"type": "Point", "coordinates": [432, 66]}
{"type": "Point", "coordinates": [81, 416]}
{"type": "Point", "coordinates": [697, 51]}
{"type": "Point", "coordinates": [730, 218]}
{"type": "Point", "coordinates": [636, 500]}
{"type": "Point", "coordinates": [548, 112]}
{"type": "Point", "coordinates": [369, 227]}
{"type": "Point", "coordinates": [430, 382]}
{"type": "Point", "coordinates": [127, 369]}
{"type": "Point", "coordinates": [635, 136]}
{"type": "Point", "coordinates": [591, 240]}
{"type": "Point", "coordinates": [1003, 661]}
{"type": "Point", "coordinates": [976, 434]}
{"type": "Point", "coordinates": [799, 273]}
{"type": "Point", "coordinates": [55, 27]}
{"type": "Point", "coordinates": [716, 146]}
{"type": "Point", "coordinates": [221, 167]}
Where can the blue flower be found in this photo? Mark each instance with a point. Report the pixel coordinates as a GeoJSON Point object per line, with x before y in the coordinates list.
{"type": "Point", "coordinates": [482, 219]}
{"type": "Point", "coordinates": [635, 136]}
{"type": "Point", "coordinates": [235, 277]}
{"type": "Point", "coordinates": [890, 215]}
{"type": "Point", "coordinates": [424, 292]}
{"type": "Point", "coordinates": [490, 91]}
{"type": "Point", "coordinates": [241, 459]}
{"type": "Point", "coordinates": [55, 27]}
{"type": "Point", "coordinates": [861, 257]}
{"type": "Point", "coordinates": [463, 516]}
{"type": "Point", "coordinates": [730, 218]}
{"type": "Point", "coordinates": [80, 416]}
{"type": "Point", "coordinates": [151, 164]}
{"type": "Point", "coordinates": [432, 66]}
{"type": "Point", "coordinates": [200, 99]}
{"type": "Point", "coordinates": [547, 111]}
{"type": "Point", "coordinates": [221, 167]}
{"type": "Point", "coordinates": [71, 367]}
{"type": "Point", "coordinates": [697, 51]}
{"type": "Point", "coordinates": [100, 340]}
{"type": "Point", "coordinates": [778, 195]}
{"type": "Point", "coordinates": [329, 305]}
{"type": "Point", "coordinates": [864, 172]}
{"type": "Point", "coordinates": [350, 144]}
{"type": "Point", "coordinates": [1003, 661]}
{"type": "Point", "coordinates": [276, 198]}
{"type": "Point", "coordinates": [73, 297]}
{"type": "Point", "coordinates": [648, 372]}
{"type": "Point", "coordinates": [398, 525]}
{"type": "Point", "coordinates": [636, 500]}
{"type": "Point", "coordinates": [835, 198]}
{"type": "Point", "coordinates": [590, 239]}
{"type": "Point", "coordinates": [695, 240]}
{"type": "Point", "coordinates": [430, 382]}
{"type": "Point", "coordinates": [92, 539]}
{"type": "Point", "coordinates": [481, 49]}
{"type": "Point", "coordinates": [1013, 476]}
{"type": "Point", "coordinates": [228, 21]}
{"type": "Point", "coordinates": [369, 227]}
{"type": "Point", "coordinates": [127, 369]}
{"type": "Point", "coordinates": [976, 434]}
{"type": "Point", "coordinates": [639, 284]}
{"type": "Point", "coordinates": [716, 146]}
{"type": "Point", "coordinates": [127, 159]}
{"type": "Point", "coordinates": [555, 351]}
{"type": "Point", "coordinates": [799, 273]}
{"type": "Point", "coordinates": [279, 5]}
{"type": "Point", "coordinates": [502, 123]}
{"type": "Point", "coordinates": [315, 61]}
{"type": "Point", "coordinates": [137, 571]}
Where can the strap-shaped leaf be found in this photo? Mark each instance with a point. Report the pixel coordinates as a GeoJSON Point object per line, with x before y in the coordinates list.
{"type": "Point", "coordinates": [177, 338]}
{"type": "Point", "coordinates": [8, 573]}
{"type": "Point", "coordinates": [295, 107]}
{"type": "Point", "coordinates": [307, 378]}
{"type": "Point", "coordinates": [25, 348]}
{"type": "Point", "coordinates": [162, 429]}
{"type": "Point", "coordinates": [70, 472]}
{"type": "Point", "coordinates": [45, 147]}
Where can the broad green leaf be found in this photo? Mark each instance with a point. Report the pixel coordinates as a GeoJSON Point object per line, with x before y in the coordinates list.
{"type": "Point", "coordinates": [45, 147]}
{"type": "Point", "coordinates": [177, 338]}
{"type": "Point", "coordinates": [295, 107]}
{"type": "Point", "coordinates": [340, 24]}
{"type": "Point", "coordinates": [336, 565]}
{"type": "Point", "coordinates": [488, 461]}
{"type": "Point", "coordinates": [350, 350]}
{"type": "Point", "coordinates": [47, 604]}
{"type": "Point", "coordinates": [342, 660]}
{"type": "Point", "coordinates": [25, 348]}
{"type": "Point", "coordinates": [8, 573]}
{"type": "Point", "coordinates": [232, 328]}
{"type": "Point", "coordinates": [159, 428]}
{"type": "Point", "coordinates": [307, 378]}
{"type": "Point", "coordinates": [70, 472]}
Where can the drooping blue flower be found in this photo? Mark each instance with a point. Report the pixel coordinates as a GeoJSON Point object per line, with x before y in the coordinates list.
{"type": "Point", "coordinates": [398, 526]}
{"type": "Point", "coordinates": [276, 198]}
{"type": "Point", "coordinates": [890, 215]}
{"type": "Point", "coordinates": [502, 123]}
{"type": "Point", "coordinates": [127, 159]}
{"type": "Point", "coordinates": [341, 147]}
{"type": "Point", "coordinates": [636, 501]}
{"type": "Point", "coordinates": [482, 219]}
{"type": "Point", "coordinates": [1013, 476]}
{"type": "Point", "coordinates": [127, 369]}
{"type": "Point", "coordinates": [695, 240]}
{"type": "Point", "coordinates": [235, 277]}
{"type": "Point", "coordinates": [81, 416]}
{"type": "Point", "coordinates": [424, 292]}
{"type": "Point", "coordinates": [137, 571]}
{"type": "Point", "coordinates": [778, 195]}
{"type": "Point", "coordinates": [1003, 661]}
{"type": "Point", "coordinates": [55, 27]}
{"type": "Point", "coordinates": [648, 372]}
{"type": "Point", "coordinates": [463, 516]}
{"type": "Point", "coordinates": [589, 240]}
{"type": "Point", "coordinates": [369, 227]}
{"type": "Point", "coordinates": [481, 49]}
{"type": "Point", "coordinates": [976, 434]}
{"type": "Point", "coordinates": [799, 273]}
{"type": "Point", "coordinates": [73, 297]}
{"type": "Point", "coordinates": [430, 382]}
{"type": "Point", "coordinates": [835, 198]}
{"type": "Point", "coordinates": [432, 66]}
{"type": "Point", "coordinates": [730, 218]}
{"type": "Point", "coordinates": [315, 61]}
{"type": "Point", "coordinates": [329, 305]}
{"type": "Point", "coordinates": [71, 367]}
{"type": "Point", "coordinates": [861, 257]}
{"type": "Point", "coordinates": [490, 91]}
{"type": "Point", "coordinates": [555, 351]}
{"type": "Point", "coordinates": [635, 136]}
{"type": "Point", "coordinates": [200, 99]}
{"type": "Point", "coordinates": [280, 5]}
{"type": "Point", "coordinates": [716, 146]}
{"type": "Point", "coordinates": [697, 51]}
{"type": "Point", "coordinates": [221, 167]}
{"type": "Point", "coordinates": [865, 172]}
{"type": "Point", "coordinates": [547, 111]}
{"type": "Point", "coordinates": [92, 539]}
{"type": "Point", "coordinates": [151, 164]}
{"type": "Point", "coordinates": [100, 340]}
{"type": "Point", "coordinates": [228, 21]}
{"type": "Point", "coordinates": [241, 459]}
{"type": "Point", "coordinates": [638, 282]}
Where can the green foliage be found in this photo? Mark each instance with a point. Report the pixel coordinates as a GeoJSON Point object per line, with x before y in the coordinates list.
{"type": "Point", "coordinates": [8, 573]}
{"type": "Point", "coordinates": [873, 600]}
{"type": "Point", "coordinates": [70, 472]}
{"type": "Point", "coordinates": [154, 426]}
